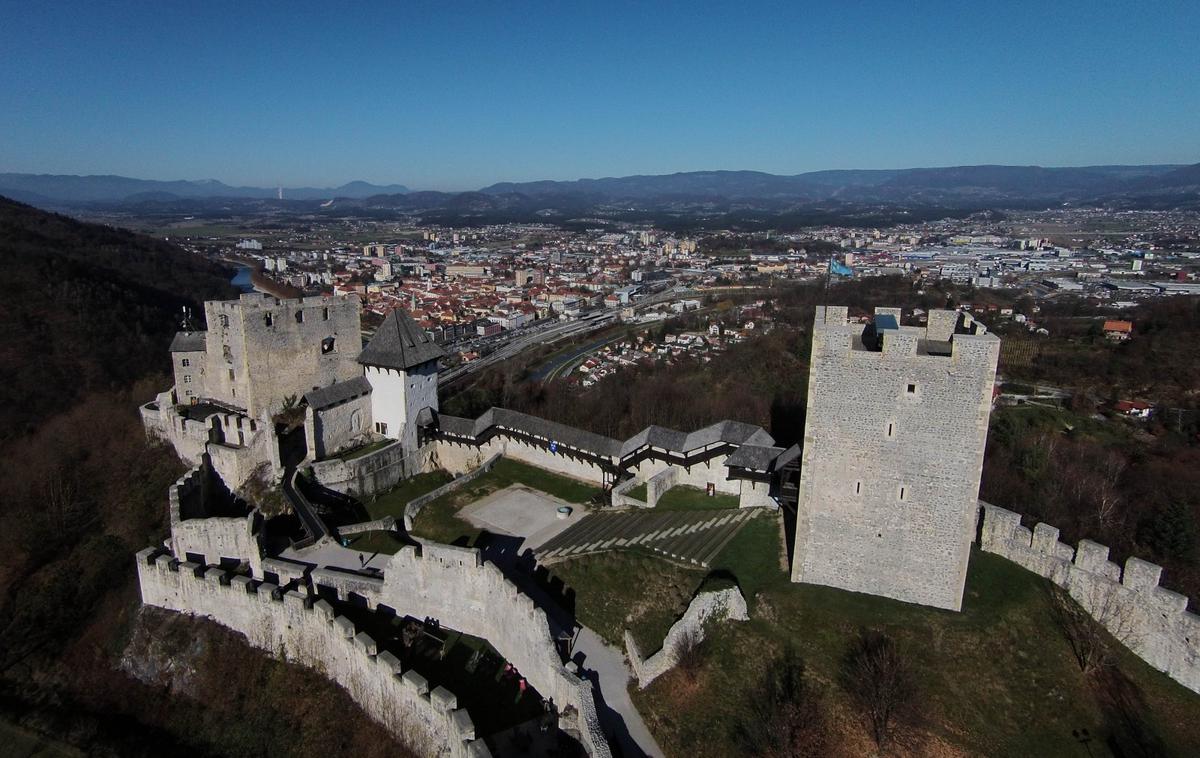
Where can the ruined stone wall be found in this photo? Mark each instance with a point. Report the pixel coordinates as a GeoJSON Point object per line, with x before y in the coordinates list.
{"type": "Point", "coordinates": [413, 507]}
{"type": "Point", "coordinates": [621, 498]}
{"type": "Point", "coordinates": [454, 586]}
{"type": "Point", "coordinates": [705, 607]}
{"type": "Point", "coordinates": [294, 628]}
{"type": "Point", "coordinates": [893, 452]}
{"type": "Point", "coordinates": [195, 532]}
{"type": "Point", "coordinates": [657, 485]}
{"type": "Point", "coordinates": [347, 425]}
{"type": "Point", "coordinates": [1151, 621]}
{"type": "Point", "coordinates": [374, 472]}
{"type": "Point", "coordinates": [261, 350]}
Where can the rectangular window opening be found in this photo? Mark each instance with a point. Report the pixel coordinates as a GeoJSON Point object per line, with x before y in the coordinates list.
{"type": "Point", "coordinates": [902, 493]}
{"type": "Point", "coordinates": [890, 429]}
{"type": "Point", "coordinates": [912, 389]}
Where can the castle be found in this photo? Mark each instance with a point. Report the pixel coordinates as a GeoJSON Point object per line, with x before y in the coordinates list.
{"type": "Point", "coordinates": [884, 490]}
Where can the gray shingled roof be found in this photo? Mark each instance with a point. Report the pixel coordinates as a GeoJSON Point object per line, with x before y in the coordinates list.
{"type": "Point", "coordinates": [188, 342]}
{"type": "Point", "coordinates": [732, 432]}
{"type": "Point", "coordinates": [754, 457]}
{"type": "Point", "coordinates": [338, 393]}
{"type": "Point", "coordinates": [399, 344]}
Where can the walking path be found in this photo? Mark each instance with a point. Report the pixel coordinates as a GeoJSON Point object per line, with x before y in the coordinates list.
{"type": "Point", "coordinates": [692, 536]}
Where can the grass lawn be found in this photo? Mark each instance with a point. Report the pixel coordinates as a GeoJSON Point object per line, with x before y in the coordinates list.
{"type": "Point", "coordinates": [629, 590]}
{"type": "Point", "coordinates": [684, 498]}
{"type": "Point", "coordinates": [392, 502]}
{"type": "Point", "coordinates": [439, 520]}
{"type": "Point", "coordinates": [996, 679]}
{"type": "Point", "coordinates": [359, 452]}
{"type": "Point", "coordinates": [639, 591]}
{"type": "Point", "coordinates": [638, 492]}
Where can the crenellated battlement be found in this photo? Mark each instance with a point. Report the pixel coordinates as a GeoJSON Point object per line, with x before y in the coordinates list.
{"type": "Point", "coordinates": [307, 630]}
{"type": "Point", "coordinates": [1150, 620]}
{"type": "Point", "coordinates": [948, 334]}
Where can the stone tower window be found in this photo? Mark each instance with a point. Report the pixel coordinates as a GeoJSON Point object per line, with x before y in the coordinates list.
{"type": "Point", "coordinates": [227, 352]}
{"type": "Point", "coordinates": [891, 429]}
{"type": "Point", "coordinates": [912, 389]}
{"type": "Point", "coordinates": [269, 319]}
{"type": "Point", "coordinates": [299, 317]}
{"type": "Point", "coordinates": [903, 493]}
{"type": "Point", "coordinates": [325, 314]}
{"type": "Point", "coordinates": [185, 362]}
{"type": "Point", "coordinates": [327, 346]}
{"type": "Point", "coordinates": [224, 320]}
{"type": "Point", "coordinates": [858, 488]}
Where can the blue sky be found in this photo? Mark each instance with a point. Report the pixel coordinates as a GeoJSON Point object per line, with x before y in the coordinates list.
{"type": "Point", "coordinates": [459, 95]}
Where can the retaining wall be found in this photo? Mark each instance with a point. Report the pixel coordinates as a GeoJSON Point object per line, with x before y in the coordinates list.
{"type": "Point", "coordinates": [723, 604]}
{"type": "Point", "coordinates": [292, 627]}
{"type": "Point", "coordinates": [1151, 621]}
{"type": "Point", "coordinates": [374, 472]}
{"type": "Point", "coordinates": [621, 499]}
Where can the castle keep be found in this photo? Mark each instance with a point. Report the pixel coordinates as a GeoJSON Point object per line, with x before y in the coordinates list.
{"type": "Point", "coordinates": [893, 452]}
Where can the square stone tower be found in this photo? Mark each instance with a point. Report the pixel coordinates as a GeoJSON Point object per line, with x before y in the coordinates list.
{"type": "Point", "coordinates": [893, 451]}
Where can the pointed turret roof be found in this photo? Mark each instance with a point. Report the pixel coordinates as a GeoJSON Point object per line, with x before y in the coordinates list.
{"type": "Point", "coordinates": [399, 344]}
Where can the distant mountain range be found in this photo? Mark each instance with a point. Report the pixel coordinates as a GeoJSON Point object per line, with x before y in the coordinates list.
{"type": "Point", "coordinates": [709, 199]}
{"type": "Point", "coordinates": [41, 189]}
{"type": "Point", "coordinates": [899, 185]}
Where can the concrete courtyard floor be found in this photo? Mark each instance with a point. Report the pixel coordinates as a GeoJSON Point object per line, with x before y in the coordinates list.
{"type": "Point", "coordinates": [519, 511]}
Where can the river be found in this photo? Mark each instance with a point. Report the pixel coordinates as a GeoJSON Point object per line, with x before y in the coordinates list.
{"type": "Point", "coordinates": [242, 279]}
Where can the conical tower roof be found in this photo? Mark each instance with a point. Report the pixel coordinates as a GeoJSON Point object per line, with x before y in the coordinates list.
{"type": "Point", "coordinates": [399, 344]}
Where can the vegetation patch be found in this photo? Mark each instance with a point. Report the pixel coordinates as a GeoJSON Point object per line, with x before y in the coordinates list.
{"type": "Point", "coordinates": [684, 498]}
{"type": "Point", "coordinates": [392, 502]}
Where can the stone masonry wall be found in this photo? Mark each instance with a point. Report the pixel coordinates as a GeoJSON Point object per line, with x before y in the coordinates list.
{"type": "Point", "coordinates": [893, 452]}
{"type": "Point", "coordinates": [329, 431]}
{"type": "Point", "coordinates": [374, 472]}
{"type": "Point", "coordinates": [414, 506]}
{"type": "Point", "coordinates": [457, 457]}
{"type": "Point", "coordinates": [453, 585]}
{"type": "Point", "coordinates": [723, 604]}
{"type": "Point", "coordinates": [293, 628]}
{"type": "Point", "coordinates": [657, 485]}
{"type": "Point", "coordinates": [1151, 621]}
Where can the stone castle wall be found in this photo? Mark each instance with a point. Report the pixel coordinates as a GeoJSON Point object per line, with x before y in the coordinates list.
{"type": "Point", "coordinates": [347, 425]}
{"type": "Point", "coordinates": [705, 607]}
{"type": "Point", "coordinates": [1151, 621]}
{"type": "Point", "coordinates": [213, 538]}
{"type": "Point", "coordinates": [293, 628]}
{"type": "Point", "coordinates": [893, 452]}
{"type": "Point", "coordinates": [459, 457]}
{"type": "Point", "coordinates": [261, 350]}
{"type": "Point", "coordinates": [374, 472]}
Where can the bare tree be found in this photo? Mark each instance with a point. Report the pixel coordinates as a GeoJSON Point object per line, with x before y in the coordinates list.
{"type": "Point", "coordinates": [785, 718]}
{"type": "Point", "coordinates": [1088, 629]}
{"type": "Point", "coordinates": [878, 678]}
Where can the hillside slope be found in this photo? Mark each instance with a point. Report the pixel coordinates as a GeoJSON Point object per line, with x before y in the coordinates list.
{"type": "Point", "coordinates": [84, 329]}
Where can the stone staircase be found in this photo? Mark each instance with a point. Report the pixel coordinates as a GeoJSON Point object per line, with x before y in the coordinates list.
{"type": "Point", "coordinates": [694, 537]}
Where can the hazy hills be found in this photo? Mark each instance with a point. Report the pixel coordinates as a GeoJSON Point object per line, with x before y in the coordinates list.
{"type": "Point", "coordinates": [46, 189]}
{"type": "Point", "coordinates": [697, 199]}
